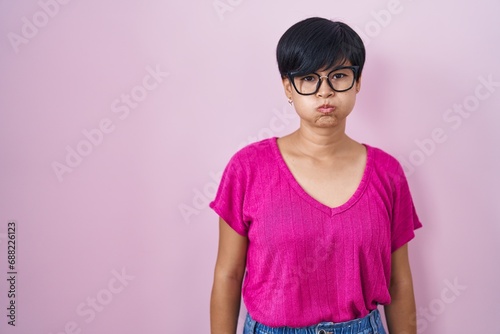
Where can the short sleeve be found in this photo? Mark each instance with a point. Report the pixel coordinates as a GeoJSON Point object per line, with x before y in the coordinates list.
{"type": "Point", "coordinates": [404, 216]}
{"type": "Point", "coordinates": [230, 198]}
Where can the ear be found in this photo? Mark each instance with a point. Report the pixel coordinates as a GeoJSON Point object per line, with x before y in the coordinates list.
{"type": "Point", "coordinates": [358, 84]}
{"type": "Point", "coordinates": [287, 85]}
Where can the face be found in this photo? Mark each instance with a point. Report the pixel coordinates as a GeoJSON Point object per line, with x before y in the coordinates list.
{"type": "Point", "coordinates": [326, 108]}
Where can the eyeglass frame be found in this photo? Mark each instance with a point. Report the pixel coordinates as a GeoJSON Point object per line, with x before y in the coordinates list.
{"type": "Point", "coordinates": [354, 68]}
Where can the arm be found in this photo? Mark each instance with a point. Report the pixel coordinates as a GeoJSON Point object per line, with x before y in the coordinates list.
{"type": "Point", "coordinates": [401, 312]}
{"type": "Point", "coordinates": [228, 276]}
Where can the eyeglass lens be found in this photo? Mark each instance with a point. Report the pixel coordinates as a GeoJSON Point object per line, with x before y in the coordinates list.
{"type": "Point", "coordinates": [340, 80]}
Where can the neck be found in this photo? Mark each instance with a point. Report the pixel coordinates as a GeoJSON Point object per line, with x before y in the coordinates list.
{"type": "Point", "coordinates": [322, 143]}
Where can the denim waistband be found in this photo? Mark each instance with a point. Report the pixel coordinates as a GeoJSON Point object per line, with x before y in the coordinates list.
{"type": "Point", "coordinates": [371, 321]}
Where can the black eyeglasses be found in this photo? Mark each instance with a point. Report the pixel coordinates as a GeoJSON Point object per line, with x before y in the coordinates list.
{"type": "Point", "coordinates": [340, 79]}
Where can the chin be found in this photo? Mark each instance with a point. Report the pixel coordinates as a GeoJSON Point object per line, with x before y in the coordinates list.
{"type": "Point", "coordinates": [326, 122]}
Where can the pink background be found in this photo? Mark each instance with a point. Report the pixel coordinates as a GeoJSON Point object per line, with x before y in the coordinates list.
{"type": "Point", "coordinates": [135, 205]}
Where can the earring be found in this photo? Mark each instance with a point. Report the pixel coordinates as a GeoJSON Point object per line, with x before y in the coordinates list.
{"type": "Point", "coordinates": [290, 100]}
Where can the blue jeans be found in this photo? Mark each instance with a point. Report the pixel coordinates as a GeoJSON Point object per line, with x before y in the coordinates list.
{"type": "Point", "coordinates": [371, 324]}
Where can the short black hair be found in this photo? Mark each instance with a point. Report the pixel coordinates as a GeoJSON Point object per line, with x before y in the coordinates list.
{"type": "Point", "coordinates": [317, 43]}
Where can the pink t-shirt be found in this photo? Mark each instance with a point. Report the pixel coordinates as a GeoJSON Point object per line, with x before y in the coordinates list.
{"type": "Point", "coordinates": [307, 262]}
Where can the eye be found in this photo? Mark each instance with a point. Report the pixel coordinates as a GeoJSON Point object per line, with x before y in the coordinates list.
{"type": "Point", "coordinates": [308, 78]}
{"type": "Point", "coordinates": [337, 76]}
{"type": "Point", "coordinates": [341, 74]}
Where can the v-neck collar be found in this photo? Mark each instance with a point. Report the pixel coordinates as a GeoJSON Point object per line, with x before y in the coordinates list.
{"type": "Point", "coordinates": [311, 200]}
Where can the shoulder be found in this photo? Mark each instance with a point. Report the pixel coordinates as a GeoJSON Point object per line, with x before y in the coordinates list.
{"type": "Point", "coordinates": [251, 158]}
{"type": "Point", "coordinates": [257, 151]}
{"type": "Point", "coordinates": [382, 159]}
{"type": "Point", "coordinates": [385, 166]}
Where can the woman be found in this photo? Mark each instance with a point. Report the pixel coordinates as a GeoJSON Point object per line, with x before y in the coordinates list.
{"type": "Point", "coordinates": [316, 223]}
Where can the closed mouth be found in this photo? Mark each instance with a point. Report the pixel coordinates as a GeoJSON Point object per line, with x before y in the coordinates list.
{"type": "Point", "coordinates": [326, 108]}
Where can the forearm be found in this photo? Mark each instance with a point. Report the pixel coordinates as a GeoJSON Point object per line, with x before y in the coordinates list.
{"type": "Point", "coordinates": [225, 305]}
{"type": "Point", "coordinates": [401, 312]}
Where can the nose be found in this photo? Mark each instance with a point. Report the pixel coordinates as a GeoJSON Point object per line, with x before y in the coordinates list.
{"type": "Point", "coordinates": [324, 88]}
